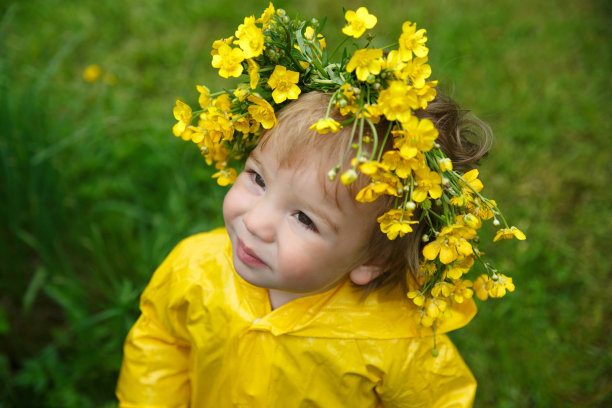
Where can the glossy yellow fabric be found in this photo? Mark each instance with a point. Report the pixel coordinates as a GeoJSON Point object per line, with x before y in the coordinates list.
{"type": "Point", "coordinates": [207, 338]}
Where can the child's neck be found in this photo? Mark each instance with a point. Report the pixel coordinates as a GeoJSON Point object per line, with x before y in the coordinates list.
{"type": "Point", "coordinates": [279, 297]}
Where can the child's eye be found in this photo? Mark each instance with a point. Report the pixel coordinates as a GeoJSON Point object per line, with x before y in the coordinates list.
{"type": "Point", "coordinates": [306, 221]}
{"type": "Point", "coordinates": [258, 179]}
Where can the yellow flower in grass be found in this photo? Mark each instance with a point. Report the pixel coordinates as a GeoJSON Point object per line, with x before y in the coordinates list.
{"type": "Point", "coordinates": [283, 82]}
{"type": "Point", "coordinates": [412, 42]}
{"type": "Point", "coordinates": [358, 22]}
{"type": "Point", "coordinates": [182, 113]}
{"type": "Point", "coordinates": [367, 62]}
{"type": "Point", "coordinates": [428, 183]}
{"type": "Point", "coordinates": [498, 285]}
{"type": "Point", "coordinates": [327, 125]}
{"type": "Point", "coordinates": [394, 224]}
{"type": "Point", "coordinates": [228, 61]}
{"type": "Point", "coordinates": [509, 233]}
{"type": "Point", "coordinates": [250, 38]}
{"type": "Point", "coordinates": [225, 176]}
{"type": "Point", "coordinates": [204, 99]}
{"type": "Point", "coordinates": [462, 290]}
{"type": "Point", "coordinates": [415, 136]}
{"type": "Point", "coordinates": [92, 73]}
{"type": "Point", "coordinates": [402, 166]}
{"type": "Point", "coordinates": [266, 16]}
{"type": "Point", "coordinates": [262, 112]}
{"type": "Point", "coordinates": [451, 243]}
{"type": "Point", "coordinates": [397, 100]}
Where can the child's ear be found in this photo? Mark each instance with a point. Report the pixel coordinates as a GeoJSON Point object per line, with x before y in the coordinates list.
{"type": "Point", "coordinates": [365, 274]}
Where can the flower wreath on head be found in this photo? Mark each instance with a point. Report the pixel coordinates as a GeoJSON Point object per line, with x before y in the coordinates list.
{"type": "Point", "coordinates": [279, 58]}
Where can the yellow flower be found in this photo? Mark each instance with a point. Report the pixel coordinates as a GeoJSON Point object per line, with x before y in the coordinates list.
{"type": "Point", "coordinates": [250, 38]}
{"type": "Point", "coordinates": [498, 284]}
{"type": "Point", "coordinates": [309, 33]}
{"type": "Point", "coordinates": [417, 297]}
{"type": "Point", "coordinates": [426, 94]}
{"type": "Point", "coordinates": [182, 113]}
{"type": "Point", "coordinates": [461, 290]}
{"type": "Point", "coordinates": [348, 102]}
{"type": "Point", "coordinates": [324, 126]}
{"type": "Point", "coordinates": [253, 71]}
{"type": "Point", "coordinates": [442, 288]}
{"type": "Point", "coordinates": [372, 112]}
{"type": "Point", "coordinates": [395, 64]}
{"type": "Point", "coordinates": [367, 61]}
{"type": "Point", "coordinates": [450, 244]}
{"type": "Point", "coordinates": [471, 177]}
{"type": "Point", "coordinates": [374, 190]}
{"type": "Point", "coordinates": [92, 73]}
{"type": "Point", "coordinates": [428, 182]}
{"type": "Point", "coordinates": [229, 61]}
{"type": "Point", "coordinates": [402, 166]}
{"type": "Point", "coordinates": [480, 287]}
{"type": "Point", "coordinates": [241, 92]}
{"type": "Point", "coordinates": [418, 71]}
{"type": "Point", "coordinates": [283, 82]}
{"type": "Point", "coordinates": [218, 43]}
{"type": "Point", "coordinates": [348, 177]}
{"type": "Point", "coordinates": [358, 22]}
{"type": "Point", "coordinates": [436, 307]}
{"type": "Point", "coordinates": [416, 136]}
{"type": "Point", "coordinates": [509, 233]}
{"type": "Point", "coordinates": [397, 100]}
{"type": "Point", "coordinates": [459, 267]}
{"type": "Point", "coordinates": [217, 123]}
{"type": "Point", "coordinates": [412, 41]}
{"type": "Point", "coordinates": [262, 112]}
{"type": "Point", "coordinates": [204, 99]}
{"type": "Point", "coordinates": [225, 176]}
{"type": "Point", "coordinates": [445, 164]}
{"type": "Point", "coordinates": [480, 209]}
{"type": "Point", "coordinates": [393, 223]}
{"type": "Point", "coordinates": [266, 16]}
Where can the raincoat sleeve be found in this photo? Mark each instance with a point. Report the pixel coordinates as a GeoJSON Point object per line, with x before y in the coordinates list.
{"type": "Point", "coordinates": [154, 372]}
{"type": "Point", "coordinates": [424, 381]}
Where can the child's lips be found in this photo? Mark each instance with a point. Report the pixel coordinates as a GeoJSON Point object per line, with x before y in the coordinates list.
{"type": "Point", "coordinates": [248, 256]}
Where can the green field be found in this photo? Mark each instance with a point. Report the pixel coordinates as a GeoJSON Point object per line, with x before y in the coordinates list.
{"type": "Point", "coordinates": [95, 190]}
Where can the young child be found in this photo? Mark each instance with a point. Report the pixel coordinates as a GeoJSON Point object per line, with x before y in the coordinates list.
{"type": "Point", "coordinates": [301, 299]}
{"type": "Point", "coordinates": [269, 312]}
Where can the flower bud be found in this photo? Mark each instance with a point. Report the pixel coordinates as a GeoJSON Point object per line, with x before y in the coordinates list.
{"type": "Point", "coordinates": [445, 181]}
{"type": "Point", "coordinates": [331, 175]}
{"type": "Point", "coordinates": [470, 220]}
{"type": "Point", "coordinates": [367, 139]}
{"type": "Point", "coordinates": [425, 238]}
{"type": "Point", "coordinates": [445, 164]}
{"type": "Point", "coordinates": [280, 12]}
{"type": "Point", "coordinates": [496, 222]}
{"type": "Point", "coordinates": [410, 205]}
{"type": "Point", "coordinates": [348, 177]}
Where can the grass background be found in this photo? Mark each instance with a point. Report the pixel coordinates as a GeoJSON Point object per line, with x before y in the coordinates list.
{"type": "Point", "coordinates": [95, 190]}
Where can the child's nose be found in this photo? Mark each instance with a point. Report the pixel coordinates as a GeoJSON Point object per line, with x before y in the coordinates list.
{"type": "Point", "coordinates": [261, 221]}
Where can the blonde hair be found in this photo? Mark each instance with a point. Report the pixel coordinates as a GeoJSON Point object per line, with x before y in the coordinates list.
{"type": "Point", "coordinates": [464, 139]}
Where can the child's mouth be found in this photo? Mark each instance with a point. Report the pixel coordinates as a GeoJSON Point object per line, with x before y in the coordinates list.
{"type": "Point", "coordinates": [247, 256]}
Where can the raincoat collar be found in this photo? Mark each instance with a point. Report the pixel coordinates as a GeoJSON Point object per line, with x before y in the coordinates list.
{"type": "Point", "coordinates": [342, 312]}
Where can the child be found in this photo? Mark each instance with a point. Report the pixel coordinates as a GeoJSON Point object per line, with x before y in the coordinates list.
{"type": "Point", "coordinates": [301, 299]}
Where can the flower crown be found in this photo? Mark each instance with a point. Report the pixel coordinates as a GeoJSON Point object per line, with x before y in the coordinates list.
{"type": "Point", "coordinates": [284, 57]}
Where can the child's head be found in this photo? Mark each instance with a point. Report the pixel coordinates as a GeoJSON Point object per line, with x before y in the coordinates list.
{"type": "Point", "coordinates": [294, 230]}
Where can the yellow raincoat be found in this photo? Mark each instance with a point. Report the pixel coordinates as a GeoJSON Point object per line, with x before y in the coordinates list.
{"type": "Point", "coordinates": [207, 338]}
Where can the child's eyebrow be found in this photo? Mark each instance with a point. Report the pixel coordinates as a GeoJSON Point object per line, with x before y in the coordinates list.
{"type": "Point", "coordinates": [321, 213]}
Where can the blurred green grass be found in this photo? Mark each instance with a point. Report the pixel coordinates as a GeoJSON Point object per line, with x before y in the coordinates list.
{"type": "Point", "coordinates": [95, 190]}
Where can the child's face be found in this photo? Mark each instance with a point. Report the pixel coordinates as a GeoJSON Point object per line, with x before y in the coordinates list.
{"type": "Point", "coordinates": [287, 232]}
